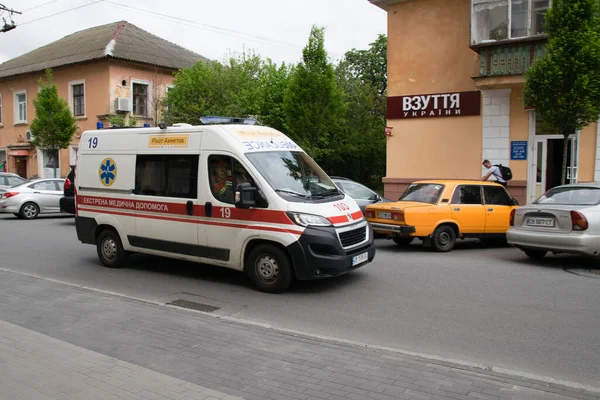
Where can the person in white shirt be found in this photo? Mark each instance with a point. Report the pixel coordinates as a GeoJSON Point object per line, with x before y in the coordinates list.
{"type": "Point", "coordinates": [493, 170]}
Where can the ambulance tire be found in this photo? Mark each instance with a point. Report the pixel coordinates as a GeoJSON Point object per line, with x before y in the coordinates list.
{"type": "Point", "coordinates": [110, 249]}
{"type": "Point", "coordinates": [269, 268]}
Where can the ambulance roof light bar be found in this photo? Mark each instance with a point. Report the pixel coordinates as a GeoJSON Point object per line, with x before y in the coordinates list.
{"type": "Point", "coordinates": [213, 119]}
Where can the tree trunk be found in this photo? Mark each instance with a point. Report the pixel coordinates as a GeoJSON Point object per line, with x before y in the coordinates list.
{"type": "Point", "coordinates": [565, 155]}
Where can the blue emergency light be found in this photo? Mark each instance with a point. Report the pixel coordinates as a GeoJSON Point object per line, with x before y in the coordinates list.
{"type": "Point", "coordinates": [213, 119]}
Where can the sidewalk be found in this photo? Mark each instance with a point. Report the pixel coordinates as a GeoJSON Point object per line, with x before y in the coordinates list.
{"type": "Point", "coordinates": [61, 342]}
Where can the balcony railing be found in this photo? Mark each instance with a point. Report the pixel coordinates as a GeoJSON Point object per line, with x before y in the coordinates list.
{"type": "Point", "coordinates": [508, 58]}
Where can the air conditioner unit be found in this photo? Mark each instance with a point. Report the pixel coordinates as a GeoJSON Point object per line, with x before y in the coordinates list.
{"type": "Point", "coordinates": [28, 136]}
{"type": "Point", "coordinates": [121, 104]}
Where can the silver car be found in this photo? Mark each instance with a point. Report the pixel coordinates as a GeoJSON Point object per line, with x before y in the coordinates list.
{"type": "Point", "coordinates": [33, 197]}
{"type": "Point", "coordinates": [565, 219]}
{"type": "Point", "coordinates": [8, 179]}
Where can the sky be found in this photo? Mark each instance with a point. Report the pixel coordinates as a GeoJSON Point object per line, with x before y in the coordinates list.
{"type": "Point", "coordinates": [275, 29]}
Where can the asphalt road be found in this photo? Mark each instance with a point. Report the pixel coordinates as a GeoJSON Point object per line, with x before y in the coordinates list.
{"type": "Point", "coordinates": [477, 304]}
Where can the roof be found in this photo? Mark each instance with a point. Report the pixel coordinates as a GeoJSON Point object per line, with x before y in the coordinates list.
{"type": "Point", "coordinates": [120, 40]}
{"type": "Point", "coordinates": [450, 182]}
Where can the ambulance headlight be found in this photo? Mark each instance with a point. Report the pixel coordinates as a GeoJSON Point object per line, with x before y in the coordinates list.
{"type": "Point", "coordinates": [308, 219]}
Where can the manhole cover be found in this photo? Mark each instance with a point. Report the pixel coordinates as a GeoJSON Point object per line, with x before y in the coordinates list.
{"type": "Point", "coordinates": [193, 305]}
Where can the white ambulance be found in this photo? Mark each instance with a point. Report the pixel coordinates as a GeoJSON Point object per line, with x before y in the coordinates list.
{"type": "Point", "coordinates": [235, 195]}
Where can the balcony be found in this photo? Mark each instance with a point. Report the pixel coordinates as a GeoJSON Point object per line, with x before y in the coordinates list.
{"type": "Point", "coordinates": [509, 57]}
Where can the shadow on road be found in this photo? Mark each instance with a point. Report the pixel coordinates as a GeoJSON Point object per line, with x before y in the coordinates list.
{"type": "Point", "coordinates": [220, 275]}
{"type": "Point", "coordinates": [562, 261]}
{"type": "Point", "coordinates": [461, 245]}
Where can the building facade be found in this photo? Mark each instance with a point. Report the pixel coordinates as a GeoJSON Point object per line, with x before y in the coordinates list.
{"type": "Point", "coordinates": [113, 70]}
{"type": "Point", "coordinates": [455, 97]}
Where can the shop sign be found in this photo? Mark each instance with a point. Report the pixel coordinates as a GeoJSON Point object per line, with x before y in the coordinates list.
{"type": "Point", "coordinates": [518, 150]}
{"type": "Point", "coordinates": [17, 153]}
{"type": "Point", "coordinates": [454, 104]}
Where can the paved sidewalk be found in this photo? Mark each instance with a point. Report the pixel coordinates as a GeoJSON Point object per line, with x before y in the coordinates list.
{"type": "Point", "coordinates": [63, 342]}
{"type": "Point", "coordinates": [35, 366]}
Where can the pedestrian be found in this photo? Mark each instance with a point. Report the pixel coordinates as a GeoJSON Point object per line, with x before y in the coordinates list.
{"type": "Point", "coordinates": [493, 170]}
{"type": "Point", "coordinates": [3, 165]}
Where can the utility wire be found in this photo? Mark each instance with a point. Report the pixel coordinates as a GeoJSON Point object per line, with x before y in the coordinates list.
{"type": "Point", "coordinates": [61, 12]}
{"type": "Point", "coordinates": [206, 26]}
{"type": "Point", "coordinates": [40, 6]}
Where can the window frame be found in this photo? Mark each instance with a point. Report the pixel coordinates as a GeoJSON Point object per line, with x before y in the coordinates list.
{"type": "Point", "coordinates": [72, 97]}
{"type": "Point", "coordinates": [232, 164]}
{"type": "Point", "coordinates": [17, 104]}
{"type": "Point", "coordinates": [481, 194]}
{"type": "Point", "coordinates": [167, 159]}
{"type": "Point", "coordinates": [148, 84]}
{"type": "Point", "coordinates": [530, 4]}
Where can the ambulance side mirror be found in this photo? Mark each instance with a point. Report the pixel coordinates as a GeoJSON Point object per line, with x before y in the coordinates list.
{"type": "Point", "coordinates": [246, 195]}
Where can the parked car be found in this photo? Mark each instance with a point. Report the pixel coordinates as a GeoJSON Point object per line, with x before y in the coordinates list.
{"type": "Point", "coordinates": [67, 201]}
{"type": "Point", "coordinates": [32, 198]}
{"type": "Point", "coordinates": [565, 219]}
{"type": "Point", "coordinates": [439, 212]}
{"type": "Point", "coordinates": [360, 193]}
{"type": "Point", "coordinates": [8, 179]}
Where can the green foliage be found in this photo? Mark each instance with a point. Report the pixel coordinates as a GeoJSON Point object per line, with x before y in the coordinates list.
{"type": "Point", "coordinates": [313, 102]}
{"type": "Point", "coordinates": [336, 113]}
{"type": "Point", "coordinates": [53, 125]}
{"type": "Point", "coordinates": [564, 85]}
{"type": "Point", "coordinates": [119, 121]}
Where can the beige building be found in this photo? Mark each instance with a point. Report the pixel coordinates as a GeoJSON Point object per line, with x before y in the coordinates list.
{"type": "Point", "coordinates": [114, 69]}
{"type": "Point", "coordinates": [455, 82]}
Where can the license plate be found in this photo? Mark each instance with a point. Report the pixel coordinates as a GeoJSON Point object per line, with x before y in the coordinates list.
{"type": "Point", "coordinates": [385, 215]}
{"type": "Point", "coordinates": [361, 258]}
{"type": "Point", "coordinates": [548, 222]}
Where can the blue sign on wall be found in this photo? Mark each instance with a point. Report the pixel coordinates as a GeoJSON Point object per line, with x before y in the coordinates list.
{"type": "Point", "coordinates": [518, 150]}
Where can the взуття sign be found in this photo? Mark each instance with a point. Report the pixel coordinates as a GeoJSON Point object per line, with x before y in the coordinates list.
{"type": "Point", "coordinates": [434, 105]}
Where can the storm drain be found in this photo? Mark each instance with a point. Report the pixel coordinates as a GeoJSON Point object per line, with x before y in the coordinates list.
{"type": "Point", "coordinates": [193, 305]}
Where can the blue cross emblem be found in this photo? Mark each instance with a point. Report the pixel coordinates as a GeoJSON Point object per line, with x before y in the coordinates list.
{"type": "Point", "coordinates": [108, 171]}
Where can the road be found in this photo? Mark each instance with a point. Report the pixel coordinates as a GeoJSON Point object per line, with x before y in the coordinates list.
{"type": "Point", "coordinates": [477, 304]}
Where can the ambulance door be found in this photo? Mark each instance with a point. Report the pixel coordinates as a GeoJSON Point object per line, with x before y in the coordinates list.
{"type": "Point", "coordinates": [224, 223]}
{"type": "Point", "coordinates": [166, 201]}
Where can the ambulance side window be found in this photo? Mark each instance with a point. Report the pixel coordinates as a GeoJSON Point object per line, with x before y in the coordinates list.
{"type": "Point", "coordinates": [167, 176]}
{"type": "Point", "coordinates": [225, 173]}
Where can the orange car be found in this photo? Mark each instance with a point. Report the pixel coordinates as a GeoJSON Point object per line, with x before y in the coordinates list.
{"type": "Point", "coordinates": [438, 212]}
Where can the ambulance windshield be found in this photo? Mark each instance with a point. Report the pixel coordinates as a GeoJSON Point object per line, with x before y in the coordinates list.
{"type": "Point", "coordinates": [294, 175]}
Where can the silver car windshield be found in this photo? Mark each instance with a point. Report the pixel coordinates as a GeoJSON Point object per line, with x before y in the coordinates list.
{"type": "Point", "coordinates": [576, 196]}
{"type": "Point", "coordinates": [294, 175]}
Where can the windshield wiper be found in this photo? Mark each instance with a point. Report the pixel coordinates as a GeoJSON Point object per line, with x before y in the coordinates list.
{"type": "Point", "coordinates": [292, 192]}
{"type": "Point", "coordinates": [328, 193]}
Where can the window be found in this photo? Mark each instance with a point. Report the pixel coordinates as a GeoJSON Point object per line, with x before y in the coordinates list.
{"type": "Point", "coordinates": [77, 97]}
{"type": "Point", "coordinates": [44, 185]}
{"type": "Point", "coordinates": [491, 19]}
{"type": "Point", "coordinates": [20, 108]}
{"type": "Point", "coordinates": [140, 99]}
{"type": "Point", "coordinates": [13, 180]}
{"type": "Point", "coordinates": [356, 191]}
{"type": "Point", "coordinates": [497, 196]}
{"type": "Point", "coordinates": [423, 193]}
{"type": "Point", "coordinates": [223, 181]}
{"type": "Point", "coordinates": [167, 176]}
{"type": "Point", "coordinates": [0, 109]}
{"type": "Point", "coordinates": [572, 196]}
{"type": "Point", "coordinates": [467, 194]}
{"type": "Point", "coordinates": [543, 128]}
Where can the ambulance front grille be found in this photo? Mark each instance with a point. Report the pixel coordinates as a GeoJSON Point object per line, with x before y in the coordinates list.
{"type": "Point", "coordinates": [353, 237]}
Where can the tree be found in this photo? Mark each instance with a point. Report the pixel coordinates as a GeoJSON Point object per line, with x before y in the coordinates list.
{"type": "Point", "coordinates": [313, 102]}
{"type": "Point", "coordinates": [54, 124]}
{"type": "Point", "coordinates": [230, 88]}
{"type": "Point", "coordinates": [564, 85]}
{"type": "Point", "coordinates": [370, 66]}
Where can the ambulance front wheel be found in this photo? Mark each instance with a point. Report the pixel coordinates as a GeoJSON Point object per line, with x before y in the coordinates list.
{"type": "Point", "coordinates": [110, 249]}
{"type": "Point", "coordinates": [269, 268]}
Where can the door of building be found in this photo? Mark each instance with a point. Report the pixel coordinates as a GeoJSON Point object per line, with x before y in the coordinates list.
{"type": "Point", "coordinates": [546, 163]}
{"type": "Point", "coordinates": [21, 166]}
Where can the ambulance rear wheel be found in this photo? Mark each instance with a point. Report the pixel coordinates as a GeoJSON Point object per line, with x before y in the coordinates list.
{"type": "Point", "coordinates": [269, 268]}
{"type": "Point", "coordinates": [110, 249]}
